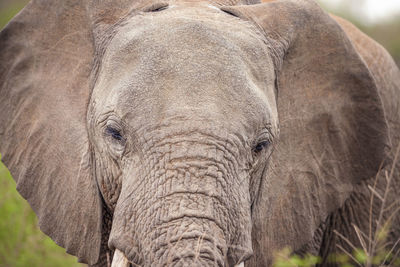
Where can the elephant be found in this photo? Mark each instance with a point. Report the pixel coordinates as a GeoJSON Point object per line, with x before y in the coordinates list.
{"type": "Point", "coordinates": [199, 133]}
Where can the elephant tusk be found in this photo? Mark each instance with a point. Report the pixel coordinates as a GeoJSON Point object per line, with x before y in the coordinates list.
{"type": "Point", "coordinates": [240, 264]}
{"type": "Point", "coordinates": [119, 259]}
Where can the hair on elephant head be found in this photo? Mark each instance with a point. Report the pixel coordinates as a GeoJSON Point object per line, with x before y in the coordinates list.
{"type": "Point", "coordinates": [186, 133]}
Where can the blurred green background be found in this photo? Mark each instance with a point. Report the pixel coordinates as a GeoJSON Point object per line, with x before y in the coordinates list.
{"type": "Point", "coordinates": [22, 243]}
{"type": "Point", "coordinates": [380, 19]}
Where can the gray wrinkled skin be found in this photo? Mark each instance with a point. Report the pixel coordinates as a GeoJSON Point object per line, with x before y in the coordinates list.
{"type": "Point", "coordinates": [195, 133]}
{"type": "Point", "coordinates": [186, 154]}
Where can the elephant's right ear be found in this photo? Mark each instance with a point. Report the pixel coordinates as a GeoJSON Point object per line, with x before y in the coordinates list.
{"type": "Point", "coordinates": [46, 55]}
{"type": "Point", "coordinates": [333, 130]}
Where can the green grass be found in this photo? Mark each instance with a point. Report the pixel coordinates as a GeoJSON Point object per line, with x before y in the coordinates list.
{"type": "Point", "coordinates": [21, 242]}
{"type": "Point", "coordinates": [9, 12]}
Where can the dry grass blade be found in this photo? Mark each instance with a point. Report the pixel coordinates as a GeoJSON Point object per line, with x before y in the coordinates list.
{"type": "Point", "coordinates": [349, 254]}
{"type": "Point", "coordinates": [393, 214]}
{"type": "Point", "coordinates": [375, 193]}
{"type": "Point", "coordinates": [394, 258]}
{"type": "Point", "coordinates": [198, 247]}
{"type": "Point", "coordinates": [396, 156]}
{"type": "Point", "coordinates": [361, 239]}
{"type": "Point", "coordinates": [379, 226]}
{"type": "Point", "coordinates": [396, 202]}
{"type": "Point", "coordinates": [391, 250]}
{"type": "Point", "coordinates": [371, 204]}
{"type": "Point", "coordinates": [169, 260]}
{"type": "Point", "coordinates": [364, 234]}
{"type": "Point", "coordinates": [345, 239]}
{"type": "Point", "coordinates": [386, 224]}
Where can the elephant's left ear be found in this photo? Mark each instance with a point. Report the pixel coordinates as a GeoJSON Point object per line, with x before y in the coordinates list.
{"type": "Point", "coordinates": [46, 56]}
{"type": "Point", "coordinates": [333, 131]}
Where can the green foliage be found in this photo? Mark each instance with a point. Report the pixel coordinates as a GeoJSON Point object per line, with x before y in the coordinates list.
{"type": "Point", "coordinates": [359, 257]}
{"type": "Point", "coordinates": [21, 242]}
{"type": "Point", "coordinates": [9, 11]}
{"type": "Point", "coordinates": [385, 32]}
{"type": "Point", "coordinates": [285, 259]}
{"type": "Point", "coordinates": [377, 248]}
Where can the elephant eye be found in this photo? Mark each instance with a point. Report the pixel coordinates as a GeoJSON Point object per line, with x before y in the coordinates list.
{"type": "Point", "coordinates": [160, 9]}
{"type": "Point", "coordinates": [115, 139]}
{"type": "Point", "coordinates": [230, 12]}
{"type": "Point", "coordinates": [157, 7]}
{"type": "Point", "coordinates": [260, 146]}
{"type": "Point", "coordinates": [114, 133]}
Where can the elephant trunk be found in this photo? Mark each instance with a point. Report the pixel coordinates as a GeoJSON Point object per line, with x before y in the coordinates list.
{"type": "Point", "coordinates": [184, 240]}
{"type": "Point", "coordinates": [187, 207]}
{"type": "Point", "coordinates": [190, 241]}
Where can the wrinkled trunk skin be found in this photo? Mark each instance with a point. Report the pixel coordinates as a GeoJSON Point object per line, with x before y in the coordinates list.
{"type": "Point", "coordinates": [188, 242]}
{"type": "Point", "coordinates": [186, 205]}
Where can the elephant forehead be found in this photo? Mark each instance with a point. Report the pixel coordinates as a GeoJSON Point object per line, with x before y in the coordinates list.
{"type": "Point", "coordinates": [207, 22]}
{"type": "Point", "coordinates": [191, 40]}
{"type": "Point", "coordinates": [188, 58]}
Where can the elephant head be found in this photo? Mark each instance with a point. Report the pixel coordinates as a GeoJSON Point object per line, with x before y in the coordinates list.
{"type": "Point", "coordinates": [185, 133]}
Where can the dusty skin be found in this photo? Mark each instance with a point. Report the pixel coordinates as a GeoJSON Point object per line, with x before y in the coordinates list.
{"type": "Point", "coordinates": [195, 133]}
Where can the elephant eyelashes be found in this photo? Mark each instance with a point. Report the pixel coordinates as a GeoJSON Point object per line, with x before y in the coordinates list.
{"type": "Point", "coordinates": [230, 12]}
{"type": "Point", "coordinates": [156, 7]}
{"type": "Point", "coordinates": [160, 9]}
